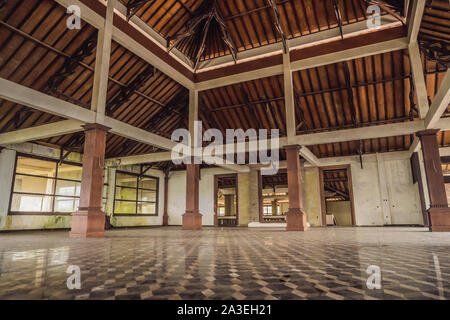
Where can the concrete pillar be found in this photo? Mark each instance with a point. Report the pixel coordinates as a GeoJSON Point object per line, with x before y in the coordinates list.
{"type": "Point", "coordinates": [229, 205]}
{"type": "Point", "coordinates": [192, 219]}
{"type": "Point", "coordinates": [89, 220]}
{"type": "Point", "coordinates": [7, 166]}
{"type": "Point", "coordinates": [296, 217]}
{"type": "Point", "coordinates": [244, 199]}
{"type": "Point", "coordinates": [439, 211]}
{"type": "Point", "coordinates": [254, 194]}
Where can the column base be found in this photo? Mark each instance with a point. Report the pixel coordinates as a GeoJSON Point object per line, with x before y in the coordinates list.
{"type": "Point", "coordinates": [296, 220]}
{"type": "Point", "coordinates": [439, 219]}
{"type": "Point", "coordinates": [165, 221]}
{"type": "Point", "coordinates": [192, 221]}
{"type": "Point", "coordinates": [88, 223]}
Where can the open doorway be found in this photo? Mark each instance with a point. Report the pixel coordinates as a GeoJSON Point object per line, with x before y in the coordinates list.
{"type": "Point", "coordinates": [226, 211]}
{"type": "Point", "coordinates": [337, 197]}
{"type": "Point", "coordinates": [274, 197]}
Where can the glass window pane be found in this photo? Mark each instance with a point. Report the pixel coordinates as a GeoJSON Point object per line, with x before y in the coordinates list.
{"type": "Point", "coordinates": [126, 180]}
{"type": "Point", "coordinates": [125, 194]}
{"type": "Point", "coordinates": [36, 167]}
{"type": "Point", "coordinates": [147, 183]}
{"type": "Point", "coordinates": [146, 208]}
{"type": "Point", "coordinates": [68, 188]}
{"type": "Point", "coordinates": [145, 195]}
{"type": "Point", "coordinates": [27, 184]}
{"type": "Point", "coordinates": [66, 204]}
{"type": "Point", "coordinates": [67, 171]}
{"type": "Point", "coordinates": [31, 203]}
{"type": "Point", "coordinates": [122, 207]}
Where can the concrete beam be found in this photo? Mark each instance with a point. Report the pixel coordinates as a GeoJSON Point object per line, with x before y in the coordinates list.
{"type": "Point", "coordinates": [419, 80]}
{"type": "Point", "coordinates": [103, 56]}
{"type": "Point", "coordinates": [310, 157]}
{"type": "Point", "coordinates": [320, 60]}
{"type": "Point", "coordinates": [25, 96]}
{"type": "Point", "coordinates": [41, 132]}
{"type": "Point", "coordinates": [440, 103]}
{"type": "Point", "coordinates": [372, 132]}
{"type": "Point", "coordinates": [415, 19]}
{"type": "Point", "coordinates": [289, 97]}
{"type": "Point", "coordinates": [350, 54]}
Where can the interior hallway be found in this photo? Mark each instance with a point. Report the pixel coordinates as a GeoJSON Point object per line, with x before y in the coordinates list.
{"type": "Point", "coordinates": [229, 263]}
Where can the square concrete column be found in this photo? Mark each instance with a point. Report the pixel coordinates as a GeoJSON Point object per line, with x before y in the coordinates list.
{"type": "Point", "coordinates": [89, 220]}
{"type": "Point", "coordinates": [192, 219]}
{"type": "Point", "coordinates": [296, 217]}
{"type": "Point", "coordinates": [439, 212]}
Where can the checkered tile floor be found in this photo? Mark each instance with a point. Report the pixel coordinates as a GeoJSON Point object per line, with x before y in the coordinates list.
{"type": "Point", "coordinates": [240, 263]}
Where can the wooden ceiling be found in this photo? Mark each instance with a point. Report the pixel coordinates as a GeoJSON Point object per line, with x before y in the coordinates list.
{"type": "Point", "coordinates": [240, 24]}
{"type": "Point", "coordinates": [38, 51]}
{"type": "Point", "coordinates": [434, 36]}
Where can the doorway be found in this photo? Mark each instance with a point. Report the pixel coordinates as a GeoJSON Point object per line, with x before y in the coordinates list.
{"type": "Point", "coordinates": [337, 197]}
{"type": "Point", "coordinates": [274, 197]}
{"type": "Point", "coordinates": [226, 210]}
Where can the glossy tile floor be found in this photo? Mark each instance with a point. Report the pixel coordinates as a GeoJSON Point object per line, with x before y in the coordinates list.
{"type": "Point", "coordinates": [166, 263]}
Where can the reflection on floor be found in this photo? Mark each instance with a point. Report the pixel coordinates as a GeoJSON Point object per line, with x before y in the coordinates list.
{"type": "Point", "coordinates": [165, 263]}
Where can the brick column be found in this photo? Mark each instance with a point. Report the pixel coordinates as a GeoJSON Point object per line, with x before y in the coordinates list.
{"type": "Point", "coordinates": [439, 212]}
{"type": "Point", "coordinates": [89, 220]}
{"type": "Point", "coordinates": [192, 219]}
{"type": "Point", "coordinates": [296, 217]}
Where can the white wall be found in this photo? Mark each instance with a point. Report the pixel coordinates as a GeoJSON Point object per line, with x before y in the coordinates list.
{"type": "Point", "coordinates": [177, 195]}
{"type": "Point", "coordinates": [396, 191]}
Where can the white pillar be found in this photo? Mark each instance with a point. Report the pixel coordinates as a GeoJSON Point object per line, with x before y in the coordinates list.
{"type": "Point", "coordinates": [101, 74]}
{"type": "Point", "coordinates": [7, 165]}
{"type": "Point", "coordinates": [289, 97]}
{"type": "Point", "coordinates": [418, 80]}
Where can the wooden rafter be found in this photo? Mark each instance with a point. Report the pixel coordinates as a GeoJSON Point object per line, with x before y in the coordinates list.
{"type": "Point", "coordinates": [391, 6]}
{"type": "Point", "coordinates": [208, 12]}
{"type": "Point", "coordinates": [277, 21]}
{"type": "Point", "coordinates": [337, 12]}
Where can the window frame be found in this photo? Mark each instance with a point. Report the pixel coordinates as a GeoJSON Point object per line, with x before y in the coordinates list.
{"type": "Point", "coordinates": [137, 189]}
{"type": "Point", "coordinates": [53, 194]}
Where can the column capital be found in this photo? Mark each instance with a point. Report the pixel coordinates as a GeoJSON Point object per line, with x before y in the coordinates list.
{"type": "Point", "coordinates": [430, 132]}
{"type": "Point", "coordinates": [95, 126]}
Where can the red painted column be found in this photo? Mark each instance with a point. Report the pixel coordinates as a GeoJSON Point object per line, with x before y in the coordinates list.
{"type": "Point", "coordinates": [439, 212]}
{"type": "Point", "coordinates": [296, 217]}
{"type": "Point", "coordinates": [192, 219]}
{"type": "Point", "coordinates": [166, 200]}
{"type": "Point", "coordinates": [89, 220]}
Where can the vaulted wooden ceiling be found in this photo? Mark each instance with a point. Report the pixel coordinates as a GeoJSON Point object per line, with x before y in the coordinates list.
{"type": "Point", "coordinates": [224, 26]}
{"type": "Point", "coordinates": [38, 51]}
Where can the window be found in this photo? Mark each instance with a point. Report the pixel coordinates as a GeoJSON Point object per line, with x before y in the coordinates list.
{"type": "Point", "coordinates": [135, 195]}
{"type": "Point", "coordinates": [267, 210]}
{"type": "Point", "coordinates": [44, 186]}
